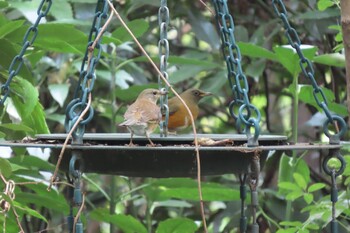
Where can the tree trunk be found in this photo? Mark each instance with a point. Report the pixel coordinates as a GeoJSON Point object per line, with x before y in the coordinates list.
{"type": "Point", "coordinates": [345, 23]}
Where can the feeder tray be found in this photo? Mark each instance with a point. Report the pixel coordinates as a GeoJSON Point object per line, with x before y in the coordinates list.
{"type": "Point", "coordinates": [173, 156]}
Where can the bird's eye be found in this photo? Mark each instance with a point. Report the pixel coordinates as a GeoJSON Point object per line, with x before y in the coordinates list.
{"type": "Point", "coordinates": [154, 93]}
{"type": "Point", "coordinates": [196, 93]}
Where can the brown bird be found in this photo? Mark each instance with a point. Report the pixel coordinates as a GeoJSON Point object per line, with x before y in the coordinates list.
{"type": "Point", "coordinates": [143, 116]}
{"type": "Point", "coordinates": [178, 116]}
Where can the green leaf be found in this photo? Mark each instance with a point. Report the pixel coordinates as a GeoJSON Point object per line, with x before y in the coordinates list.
{"type": "Point", "coordinates": [324, 4]}
{"type": "Point", "coordinates": [288, 57]}
{"type": "Point", "coordinates": [130, 94]}
{"type": "Point", "coordinates": [187, 189]}
{"type": "Point", "coordinates": [32, 162]}
{"type": "Point", "coordinates": [61, 38]}
{"type": "Point", "coordinates": [59, 92]}
{"type": "Point", "coordinates": [37, 120]}
{"type": "Point", "coordinates": [202, 28]}
{"type": "Point", "coordinates": [252, 50]}
{"type": "Point", "coordinates": [3, 4]}
{"type": "Point", "coordinates": [137, 26]}
{"type": "Point", "coordinates": [294, 195]}
{"type": "Point", "coordinates": [10, 27]}
{"type": "Point", "coordinates": [171, 203]}
{"type": "Point", "coordinates": [317, 15]}
{"type": "Point", "coordinates": [43, 198]}
{"type": "Point", "coordinates": [125, 223]}
{"type": "Point", "coordinates": [9, 50]}
{"type": "Point", "coordinates": [62, 11]}
{"type": "Point", "coordinates": [16, 127]}
{"type": "Point", "coordinates": [29, 211]}
{"type": "Point", "coordinates": [287, 166]}
{"type": "Point", "coordinates": [331, 59]}
{"type": "Point", "coordinates": [5, 168]}
{"type": "Point", "coordinates": [288, 230]}
{"type": "Point", "coordinates": [306, 96]}
{"type": "Point", "coordinates": [315, 187]}
{"type": "Point", "coordinates": [16, 167]}
{"type": "Point", "coordinates": [185, 72]}
{"type": "Point", "coordinates": [256, 68]}
{"type": "Point", "coordinates": [299, 179]}
{"type": "Point", "coordinates": [308, 197]}
{"type": "Point", "coordinates": [177, 225]}
{"type": "Point", "coordinates": [312, 226]}
{"type": "Point", "coordinates": [291, 224]}
{"type": "Point", "coordinates": [288, 186]}
{"type": "Point", "coordinates": [24, 97]}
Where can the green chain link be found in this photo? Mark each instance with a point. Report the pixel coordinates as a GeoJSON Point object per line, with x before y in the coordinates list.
{"type": "Point", "coordinates": [86, 77]}
{"type": "Point", "coordinates": [163, 47]}
{"type": "Point", "coordinates": [237, 80]}
{"type": "Point", "coordinates": [243, 195]}
{"type": "Point", "coordinates": [308, 71]}
{"type": "Point", "coordinates": [28, 40]}
{"type": "Point", "coordinates": [76, 194]}
{"type": "Point", "coordinates": [333, 173]}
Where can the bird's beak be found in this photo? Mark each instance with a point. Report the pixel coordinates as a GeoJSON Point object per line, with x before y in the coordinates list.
{"type": "Point", "coordinates": [202, 94]}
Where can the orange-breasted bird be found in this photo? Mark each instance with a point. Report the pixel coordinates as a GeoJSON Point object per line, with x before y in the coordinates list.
{"type": "Point", "coordinates": [178, 116]}
{"type": "Point", "coordinates": [143, 116]}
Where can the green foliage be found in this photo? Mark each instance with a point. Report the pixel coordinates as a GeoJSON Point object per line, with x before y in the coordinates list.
{"type": "Point", "coordinates": [126, 223]}
{"type": "Point", "coordinates": [49, 75]}
{"type": "Point", "coordinates": [177, 225]}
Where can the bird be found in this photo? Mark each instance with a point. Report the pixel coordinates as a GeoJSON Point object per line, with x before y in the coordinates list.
{"type": "Point", "coordinates": [179, 118]}
{"type": "Point", "coordinates": [143, 116]}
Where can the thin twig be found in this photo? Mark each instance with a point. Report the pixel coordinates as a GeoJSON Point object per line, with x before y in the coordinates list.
{"type": "Point", "coordinates": [76, 218]}
{"type": "Point", "coordinates": [43, 182]}
{"type": "Point", "coordinates": [17, 219]}
{"type": "Point", "coordinates": [103, 28]}
{"type": "Point", "coordinates": [206, 6]}
{"type": "Point", "coordinates": [182, 101]}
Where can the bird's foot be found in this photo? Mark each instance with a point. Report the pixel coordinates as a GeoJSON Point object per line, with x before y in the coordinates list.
{"type": "Point", "coordinates": [131, 144]}
{"type": "Point", "coordinates": [151, 145]}
{"type": "Point", "coordinates": [172, 133]}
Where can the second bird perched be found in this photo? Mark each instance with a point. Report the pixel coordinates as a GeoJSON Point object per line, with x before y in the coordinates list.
{"type": "Point", "coordinates": [143, 116]}
{"type": "Point", "coordinates": [178, 116]}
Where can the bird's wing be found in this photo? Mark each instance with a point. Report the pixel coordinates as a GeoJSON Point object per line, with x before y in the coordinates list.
{"type": "Point", "coordinates": [141, 113]}
{"type": "Point", "coordinates": [151, 112]}
{"type": "Point", "coordinates": [175, 105]}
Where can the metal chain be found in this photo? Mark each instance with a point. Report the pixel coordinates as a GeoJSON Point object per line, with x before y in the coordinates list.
{"type": "Point", "coordinates": [87, 76]}
{"type": "Point", "coordinates": [237, 80]}
{"type": "Point", "coordinates": [308, 71]}
{"type": "Point", "coordinates": [333, 173]}
{"type": "Point", "coordinates": [243, 195]}
{"type": "Point", "coordinates": [163, 48]}
{"type": "Point", "coordinates": [75, 173]}
{"type": "Point", "coordinates": [28, 41]}
{"type": "Point", "coordinates": [253, 184]}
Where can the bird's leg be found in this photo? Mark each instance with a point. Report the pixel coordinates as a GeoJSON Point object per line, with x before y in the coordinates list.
{"type": "Point", "coordinates": [131, 135]}
{"type": "Point", "coordinates": [149, 139]}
